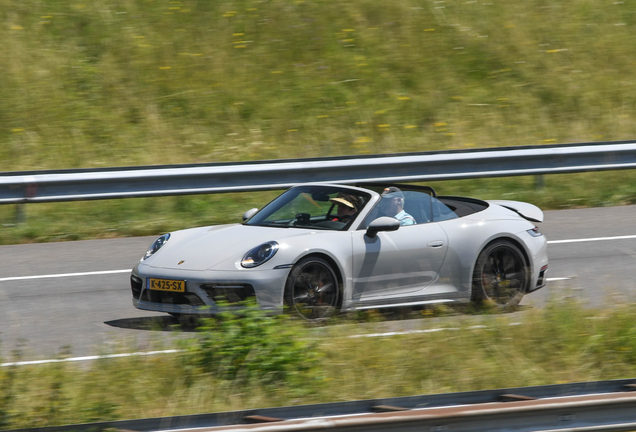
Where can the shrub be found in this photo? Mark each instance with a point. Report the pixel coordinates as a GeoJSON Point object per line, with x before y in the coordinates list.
{"type": "Point", "coordinates": [250, 346]}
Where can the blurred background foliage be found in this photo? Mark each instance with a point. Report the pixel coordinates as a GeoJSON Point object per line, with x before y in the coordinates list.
{"type": "Point", "coordinates": [136, 82]}
{"type": "Point", "coordinates": [141, 82]}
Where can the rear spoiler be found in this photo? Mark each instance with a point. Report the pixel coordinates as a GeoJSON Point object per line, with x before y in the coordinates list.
{"type": "Point", "coordinates": [525, 210]}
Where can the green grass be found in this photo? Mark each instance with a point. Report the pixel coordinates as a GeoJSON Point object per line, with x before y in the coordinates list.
{"type": "Point", "coordinates": [140, 82]}
{"type": "Point", "coordinates": [137, 82]}
{"type": "Point", "coordinates": [563, 342]}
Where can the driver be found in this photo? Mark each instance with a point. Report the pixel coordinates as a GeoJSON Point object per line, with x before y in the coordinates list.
{"type": "Point", "coordinates": [346, 206]}
{"type": "Point", "coordinates": [392, 205]}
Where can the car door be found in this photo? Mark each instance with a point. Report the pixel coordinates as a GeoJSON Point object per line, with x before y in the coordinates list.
{"type": "Point", "coordinates": [402, 262]}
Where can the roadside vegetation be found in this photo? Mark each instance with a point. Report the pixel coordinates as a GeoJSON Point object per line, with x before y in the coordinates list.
{"type": "Point", "coordinates": [236, 363]}
{"type": "Point", "coordinates": [89, 84]}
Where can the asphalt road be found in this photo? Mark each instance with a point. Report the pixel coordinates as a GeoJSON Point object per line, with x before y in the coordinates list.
{"type": "Point", "coordinates": [85, 314]}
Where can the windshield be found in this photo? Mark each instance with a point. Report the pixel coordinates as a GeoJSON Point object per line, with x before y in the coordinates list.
{"type": "Point", "coordinates": [312, 207]}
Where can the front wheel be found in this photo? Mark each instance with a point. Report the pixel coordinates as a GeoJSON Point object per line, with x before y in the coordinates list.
{"type": "Point", "coordinates": [312, 290]}
{"type": "Point", "coordinates": [501, 275]}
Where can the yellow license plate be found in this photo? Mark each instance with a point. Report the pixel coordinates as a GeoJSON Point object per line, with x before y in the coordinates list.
{"type": "Point", "coordinates": [166, 285]}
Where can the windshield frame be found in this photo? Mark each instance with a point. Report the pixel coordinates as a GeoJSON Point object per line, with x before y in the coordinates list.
{"type": "Point", "coordinates": [323, 219]}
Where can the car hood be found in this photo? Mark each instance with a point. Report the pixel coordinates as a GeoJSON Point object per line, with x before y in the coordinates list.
{"type": "Point", "coordinates": [209, 247]}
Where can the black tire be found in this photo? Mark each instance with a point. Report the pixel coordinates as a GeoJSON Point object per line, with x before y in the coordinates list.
{"type": "Point", "coordinates": [500, 277]}
{"type": "Point", "coordinates": [312, 291]}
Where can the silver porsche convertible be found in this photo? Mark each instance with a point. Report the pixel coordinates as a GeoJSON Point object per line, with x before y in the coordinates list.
{"type": "Point", "coordinates": [320, 248]}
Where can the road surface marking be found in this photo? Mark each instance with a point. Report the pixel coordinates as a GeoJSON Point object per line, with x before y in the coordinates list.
{"type": "Point", "coordinates": [76, 359]}
{"type": "Point", "coordinates": [407, 332]}
{"type": "Point", "coordinates": [174, 351]}
{"type": "Point", "coordinates": [592, 239]}
{"type": "Point", "coordinates": [62, 275]}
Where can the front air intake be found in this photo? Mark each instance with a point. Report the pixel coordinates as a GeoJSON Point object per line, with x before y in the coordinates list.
{"type": "Point", "coordinates": [135, 285]}
{"type": "Point", "coordinates": [229, 293]}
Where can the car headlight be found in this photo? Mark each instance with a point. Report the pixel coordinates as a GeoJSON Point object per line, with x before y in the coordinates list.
{"type": "Point", "coordinates": [259, 255]}
{"type": "Point", "coordinates": [156, 245]}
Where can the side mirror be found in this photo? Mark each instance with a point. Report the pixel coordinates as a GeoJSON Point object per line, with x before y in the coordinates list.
{"type": "Point", "coordinates": [383, 223]}
{"type": "Point", "coordinates": [248, 214]}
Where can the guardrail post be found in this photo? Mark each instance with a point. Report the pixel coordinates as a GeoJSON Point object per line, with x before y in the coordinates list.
{"type": "Point", "coordinates": [20, 214]}
{"type": "Point", "coordinates": [539, 182]}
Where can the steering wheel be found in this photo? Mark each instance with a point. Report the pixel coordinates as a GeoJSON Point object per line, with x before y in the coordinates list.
{"type": "Point", "coordinates": [302, 219]}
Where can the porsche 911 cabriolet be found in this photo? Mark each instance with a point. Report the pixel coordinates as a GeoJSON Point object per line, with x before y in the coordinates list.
{"type": "Point", "coordinates": [321, 248]}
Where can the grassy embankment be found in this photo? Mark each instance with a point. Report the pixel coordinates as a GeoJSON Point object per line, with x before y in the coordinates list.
{"type": "Point", "coordinates": [89, 84]}
{"type": "Point", "coordinates": [268, 363]}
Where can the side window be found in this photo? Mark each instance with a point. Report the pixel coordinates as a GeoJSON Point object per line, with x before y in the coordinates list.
{"type": "Point", "coordinates": [416, 204]}
{"type": "Point", "coordinates": [442, 212]}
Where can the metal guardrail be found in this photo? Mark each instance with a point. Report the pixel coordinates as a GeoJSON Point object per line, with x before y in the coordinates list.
{"type": "Point", "coordinates": [587, 406]}
{"type": "Point", "coordinates": [148, 181]}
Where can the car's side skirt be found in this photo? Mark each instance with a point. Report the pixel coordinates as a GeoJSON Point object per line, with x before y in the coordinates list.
{"type": "Point", "coordinates": [406, 302]}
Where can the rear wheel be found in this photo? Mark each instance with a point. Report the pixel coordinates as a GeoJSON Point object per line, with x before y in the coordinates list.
{"type": "Point", "coordinates": [312, 290]}
{"type": "Point", "coordinates": [501, 275]}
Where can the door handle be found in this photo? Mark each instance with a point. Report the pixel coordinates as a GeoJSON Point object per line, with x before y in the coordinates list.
{"type": "Point", "coordinates": [436, 244]}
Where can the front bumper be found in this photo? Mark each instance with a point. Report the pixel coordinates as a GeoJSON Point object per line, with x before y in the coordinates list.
{"type": "Point", "coordinates": [208, 292]}
{"type": "Point", "coordinates": [541, 280]}
{"type": "Point", "coordinates": [537, 247]}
